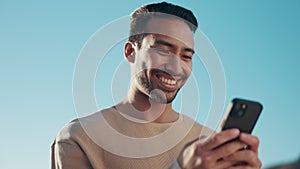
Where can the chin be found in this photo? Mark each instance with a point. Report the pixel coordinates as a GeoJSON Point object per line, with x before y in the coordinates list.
{"type": "Point", "coordinates": [162, 98]}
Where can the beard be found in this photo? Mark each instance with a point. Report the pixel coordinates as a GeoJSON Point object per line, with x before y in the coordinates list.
{"type": "Point", "coordinates": [159, 96]}
{"type": "Point", "coordinates": [155, 94]}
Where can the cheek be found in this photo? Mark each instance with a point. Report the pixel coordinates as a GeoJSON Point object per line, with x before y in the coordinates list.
{"type": "Point", "coordinates": [187, 67]}
{"type": "Point", "coordinates": [157, 62]}
{"type": "Point", "coordinates": [152, 62]}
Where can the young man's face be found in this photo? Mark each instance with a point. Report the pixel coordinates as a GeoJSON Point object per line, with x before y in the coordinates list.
{"type": "Point", "coordinates": [164, 61]}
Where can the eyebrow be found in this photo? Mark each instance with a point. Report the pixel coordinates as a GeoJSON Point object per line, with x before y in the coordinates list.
{"type": "Point", "coordinates": [165, 43]}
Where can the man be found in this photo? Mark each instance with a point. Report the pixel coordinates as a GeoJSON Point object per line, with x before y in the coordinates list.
{"type": "Point", "coordinates": [160, 51]}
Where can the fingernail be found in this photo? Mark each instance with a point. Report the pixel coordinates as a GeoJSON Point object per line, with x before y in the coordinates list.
{"type": "Point", "coordinates": [244, 135]}
{"type": "Point", "coordinates": [235, 131]}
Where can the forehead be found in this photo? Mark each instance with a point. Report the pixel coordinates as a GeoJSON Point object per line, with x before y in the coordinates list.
{"type": "Point", "coordinates": [173, 28]}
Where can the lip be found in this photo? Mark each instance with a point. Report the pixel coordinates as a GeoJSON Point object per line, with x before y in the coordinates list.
{"type": "Point", "coordinates": [163, 85]}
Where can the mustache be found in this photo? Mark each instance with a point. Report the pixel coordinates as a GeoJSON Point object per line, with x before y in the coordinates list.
{"type": "Point", "coordinates": [180, 76]}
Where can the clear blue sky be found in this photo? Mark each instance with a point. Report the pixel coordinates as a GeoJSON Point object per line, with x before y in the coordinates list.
{"type": "Point", "coordinates": [257, 41]}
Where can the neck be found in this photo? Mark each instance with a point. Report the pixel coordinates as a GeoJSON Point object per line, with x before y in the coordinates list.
{"type": "Point", "coordinates": [139, 106]}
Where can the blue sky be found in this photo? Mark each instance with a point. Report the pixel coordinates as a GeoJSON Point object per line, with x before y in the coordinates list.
{"type": "Point", "coordinates": [257, 41]}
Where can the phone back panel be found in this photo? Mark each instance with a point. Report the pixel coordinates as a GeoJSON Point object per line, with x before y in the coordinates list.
{"type": "Point", "coordinates": [243, 115]}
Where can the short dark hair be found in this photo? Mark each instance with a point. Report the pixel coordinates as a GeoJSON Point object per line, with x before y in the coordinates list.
{"type": "Point", "coordinates": [140, 17]}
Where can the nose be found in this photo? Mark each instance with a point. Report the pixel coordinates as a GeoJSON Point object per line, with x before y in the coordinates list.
{"type": "Point", "coordinates": [174, 66]}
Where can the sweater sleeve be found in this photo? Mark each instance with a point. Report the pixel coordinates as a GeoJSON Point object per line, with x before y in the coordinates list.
{"type": "Point", "coordinates": [66, 155]}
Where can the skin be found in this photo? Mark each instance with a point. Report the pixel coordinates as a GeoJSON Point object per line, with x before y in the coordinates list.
{"type": "Point", "coordinates": [150, 99]}
{"type": "Point", "coordinates": [215, 152]}
{"type": "Point", "coordinates": [148, 64]}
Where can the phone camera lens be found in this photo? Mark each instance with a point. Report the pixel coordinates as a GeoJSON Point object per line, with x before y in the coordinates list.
{"type": "Point", "coordinates": [239, 110]}
{"type": "Point", "coordinates": [240, 113]}
{"type": "Point", "coordinates": [244, 106]}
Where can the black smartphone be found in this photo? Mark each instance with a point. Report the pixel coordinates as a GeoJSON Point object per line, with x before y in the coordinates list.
{"type": "Point", "coordinates": [241, 114]}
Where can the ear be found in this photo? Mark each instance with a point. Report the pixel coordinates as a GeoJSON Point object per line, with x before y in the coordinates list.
{"type": "Point", "coordinates": [130, 51]}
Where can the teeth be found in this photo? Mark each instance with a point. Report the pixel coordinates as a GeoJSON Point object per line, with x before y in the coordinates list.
{"type": "Point", "coordinates": [168, 81]}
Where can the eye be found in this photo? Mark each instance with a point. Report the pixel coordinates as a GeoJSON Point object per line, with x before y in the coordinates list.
{"type": "Point", "coordinates": [163, 51]}
{"type": "Point", "coordinates": [186, 57]}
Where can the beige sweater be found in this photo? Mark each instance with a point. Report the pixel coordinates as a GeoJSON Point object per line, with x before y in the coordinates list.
{"type": "Point", "coordinates": [108, 140]}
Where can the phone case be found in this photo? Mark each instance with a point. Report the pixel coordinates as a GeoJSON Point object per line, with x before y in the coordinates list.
{"type": "Point", "coordinates": [242, 114]}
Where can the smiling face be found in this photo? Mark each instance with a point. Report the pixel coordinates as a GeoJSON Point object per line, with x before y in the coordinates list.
{"type": "Point", "coordinates": [163, 63]}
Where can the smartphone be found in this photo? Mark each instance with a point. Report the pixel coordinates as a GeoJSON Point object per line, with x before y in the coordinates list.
{"type": "Point", "coordinates": [241, 114]}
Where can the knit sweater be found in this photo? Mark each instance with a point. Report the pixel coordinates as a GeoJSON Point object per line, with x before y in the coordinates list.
{"type": "Point", "coordinates": [108, 140]}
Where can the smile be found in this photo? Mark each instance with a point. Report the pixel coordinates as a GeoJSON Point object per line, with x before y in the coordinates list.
{"type": "Point", "coordinates": [167, 81]}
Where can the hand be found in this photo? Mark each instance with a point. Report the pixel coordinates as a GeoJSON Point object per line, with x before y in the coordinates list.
{"type": "Point", "coordinates": [217, 152]}
{"type": "Point", "coordinates": [248, 156]}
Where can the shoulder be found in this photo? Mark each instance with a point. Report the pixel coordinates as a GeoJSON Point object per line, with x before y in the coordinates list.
{"type": "Point", "coordinates": [78, 129]}
{"type": "Point", "coordinates": [69, 132]}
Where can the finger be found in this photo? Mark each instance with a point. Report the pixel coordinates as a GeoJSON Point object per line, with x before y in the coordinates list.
{"type": "Point", "coordinates": [219, 139]}
{"type": "Point", "coordinates": [248, 157]}
{"type": "Point", "coordinates": [221, 164]}
{"type": "Point", "coordinates": [250, 140]}
{"type": "Point", "coordinates": [239, 167]}
{"type": "Point", "coordinates": [228, 149]}
{"type": "Point", "coordinates": [201, 162]}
